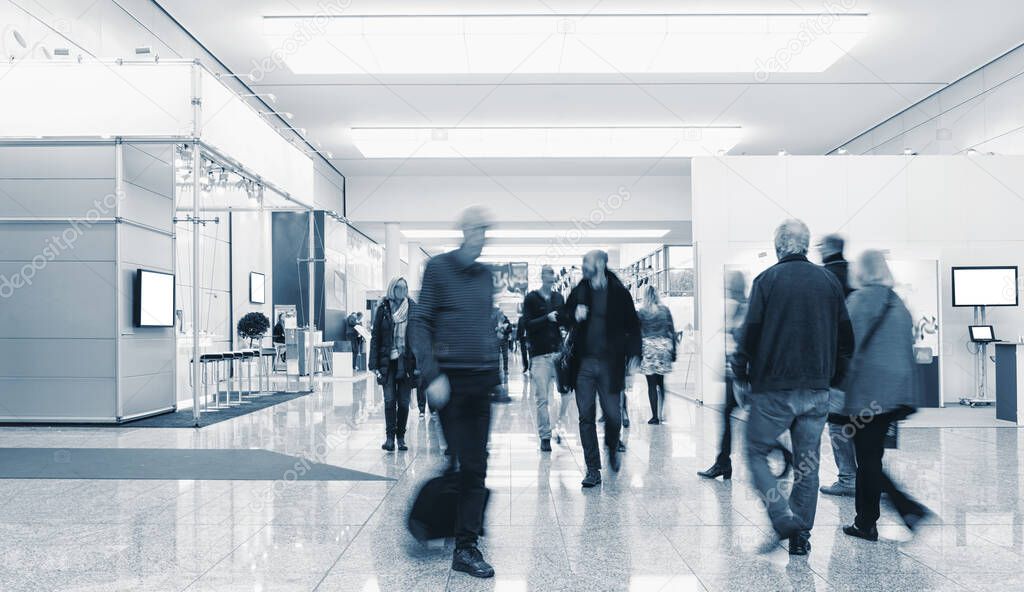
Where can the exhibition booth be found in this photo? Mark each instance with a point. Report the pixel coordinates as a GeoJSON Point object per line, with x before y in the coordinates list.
{"type": "Point", "coordinates": [115, 276]}
{"type": "Point", "coordinates": [950, 226]}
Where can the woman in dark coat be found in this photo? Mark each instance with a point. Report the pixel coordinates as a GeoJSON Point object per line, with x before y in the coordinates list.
{"type": "Point", "coordinates": [392, 360]}
{"type": "Point", "coordinates": [879, 391]}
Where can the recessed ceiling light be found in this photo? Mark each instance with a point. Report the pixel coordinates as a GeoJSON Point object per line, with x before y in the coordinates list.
{"type": "Point", "coordinates": [571, 43]}
{"type": "Point", "coordinates": [509, 233]}
{"type": "Point", "coordinates": [544, 142]}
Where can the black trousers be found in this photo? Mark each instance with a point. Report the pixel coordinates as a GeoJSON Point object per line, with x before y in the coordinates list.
{"type": "Point", "coordinates": [397, 390]}
{"type": "Point", "coordinates": [725, 446]}
{"type": "Point", "coordinates": [421, 398]}
{"type": "Point", "coordinates": [592, 385]}
{"type": "Point", "coordinates": [869, 444]}
{"type": "Point", "coordinates": [524, 351]}
{"type": "Point", "coordinates": [466, 421]}
{"type": "Point", "coordinates": [656, 393]}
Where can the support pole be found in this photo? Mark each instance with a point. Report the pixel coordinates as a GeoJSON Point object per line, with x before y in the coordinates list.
{"type": "Point", "coordinates": [311, 316]}
{"type": "Point", "coordinates": [197, 162]}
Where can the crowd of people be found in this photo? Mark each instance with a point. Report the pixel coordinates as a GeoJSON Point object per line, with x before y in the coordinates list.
{"type": "Point", "coordinates": [805, 350]}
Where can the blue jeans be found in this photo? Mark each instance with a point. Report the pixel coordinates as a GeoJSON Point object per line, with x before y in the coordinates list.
{"type": "Point", "coordinates": [802, 412]}
{"type": "Point", "coordinates": [845, 455]}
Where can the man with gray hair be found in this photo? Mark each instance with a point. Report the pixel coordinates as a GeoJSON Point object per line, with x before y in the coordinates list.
{"type": "Point", "coordinates": [796, 343]}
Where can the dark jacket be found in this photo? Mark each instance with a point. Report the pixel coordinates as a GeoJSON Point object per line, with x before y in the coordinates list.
{"type": "Point", "coordinates": [623, 329]}
{"type": "Point", "coordinates": [543, 336]}
{"type": "Point", "coordinates": [452, 328]}
{"type": "Point", "coordinates": [797, 334]}
{"type": "Point", "coordinates": [881, 375]}
{"type": "Point", "coordinates": [840, 268]}
{"type": "Point", "coordinates": [382, 340]}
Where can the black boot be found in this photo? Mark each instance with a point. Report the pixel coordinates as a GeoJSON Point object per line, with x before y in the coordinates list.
{"type": "Point", "coordinates": [717, 470]}
{"type": "Point", "coordinates": [389, 444]}
{"type": "Point", "coordinates": [469, 560]}
{"type": "Point", "coordinates": [401, 443]}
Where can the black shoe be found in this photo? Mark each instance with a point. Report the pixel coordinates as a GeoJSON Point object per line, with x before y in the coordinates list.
{"type": "Point", "coordinates": [653, 421]}
{"type": "Point", "coordinates": [401, 444]}
{"type": "Point", "coordinates": [856, 531]}
{"type": "Point", "coordinates": [621, 447]}
{"type": "Point", "coordinates": [625, 422]}
{"type": "Point", "coordinates": [717, 470]}
{"type": "Point", "coordinates": [790, 529]}
{"type": "Point", "coordinates": [545, 445]}
{"type": "Point", "coordinates": [389, 444]}
{"type": "Point", "coordinates": [799, 544]}
{"type": "Point", "coordinates": [592, 479]}
{"type": "Point", "coordinates": [614, 460]}
{"type": "Point", "coordinates": [471, 561]}
{"type": "Point", "coordinates": [914, 519]}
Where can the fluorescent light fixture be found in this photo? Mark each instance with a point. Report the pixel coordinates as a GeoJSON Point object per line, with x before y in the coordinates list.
{"type": "Point", "coordinates": [508, 233]}
{"type": "Point", "coordinates": [543, 142]}
{"type": "Point", "coordinates": [552, 250]}
{"type": "Point", "coordinates": [561, 44]}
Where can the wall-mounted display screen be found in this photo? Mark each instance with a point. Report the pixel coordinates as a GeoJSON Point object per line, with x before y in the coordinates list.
{"type": "Point", "coordinates": [154, 299]}
{"type": "Point", "coordinates": [985, 286]}
{"type": "Point", "coordinates": [257, 287]}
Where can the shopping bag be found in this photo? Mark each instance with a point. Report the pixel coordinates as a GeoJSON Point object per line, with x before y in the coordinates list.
{"type": "Point", "coordinates": [432, 515]}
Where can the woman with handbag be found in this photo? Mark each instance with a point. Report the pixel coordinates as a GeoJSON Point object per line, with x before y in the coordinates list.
{"type": "Point", "coordinates": [659, 349]}
{"type": "Point", "coordinates": [879, 391]}
{"type": "Point", "coordinates": [392, 360]}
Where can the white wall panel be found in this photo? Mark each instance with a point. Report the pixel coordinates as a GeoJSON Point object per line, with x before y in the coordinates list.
{"type": "Point", "coordinates": [57, 162]}
{"type": "Point", "coordinates": [57, 358]}
{"type": "Point", "coordinates": [64, 300]}
{"type": "Point", "coordinates": [53, 198]}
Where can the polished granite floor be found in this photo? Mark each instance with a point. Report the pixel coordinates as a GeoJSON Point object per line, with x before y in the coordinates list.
{"type": "Point", "coordinates": [653, 527]}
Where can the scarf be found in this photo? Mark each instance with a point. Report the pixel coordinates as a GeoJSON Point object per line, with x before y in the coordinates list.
{"type": "Point", "coordinates": [400, 320]}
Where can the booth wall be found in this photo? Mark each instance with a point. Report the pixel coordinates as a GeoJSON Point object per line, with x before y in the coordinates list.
{"type": "Point", "coordinates": [58, 337]}
{"type": "Point", "coordinates": [146, 353]}
{"type": "Point", "coordinates": [981, 111]}
{"type": "Point", "coordinates": [251, 252]}
{"type": "Point", "coordinates": [958, 210]}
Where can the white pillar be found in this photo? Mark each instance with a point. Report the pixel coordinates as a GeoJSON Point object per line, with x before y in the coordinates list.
{"type": "Point", "coordinates": [392, 251]}
{"type": "Point", "coordinates": [415, 262]}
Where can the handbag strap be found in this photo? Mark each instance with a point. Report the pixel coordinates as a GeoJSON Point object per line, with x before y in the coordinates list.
{"type": "Point", "coordinates": [878, 323]}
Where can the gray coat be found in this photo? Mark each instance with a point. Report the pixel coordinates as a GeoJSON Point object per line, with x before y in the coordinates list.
{"type": "Point", "coordinates": [881, 376]}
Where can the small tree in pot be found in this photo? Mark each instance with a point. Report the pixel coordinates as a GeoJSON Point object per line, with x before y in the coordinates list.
{"type": "Point", "coordinates": [253, 326]}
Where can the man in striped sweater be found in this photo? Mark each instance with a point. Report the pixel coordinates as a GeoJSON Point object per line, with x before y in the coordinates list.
{"type": "Point", "coordinates": [457, 354]}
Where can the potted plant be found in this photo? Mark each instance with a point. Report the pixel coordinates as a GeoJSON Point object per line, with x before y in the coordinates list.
{"type": "Point", "coordinates": [253, 326]}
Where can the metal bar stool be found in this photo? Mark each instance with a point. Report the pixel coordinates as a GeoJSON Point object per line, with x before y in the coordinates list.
{"type": "Point", "coordinates": [205, 361]}
{"type": "Point", "coordinates": [237, 359]}
{"type": "Point", "coordinates": [267, 356]}
{"type": "Point", "coordinates": [249, 356]}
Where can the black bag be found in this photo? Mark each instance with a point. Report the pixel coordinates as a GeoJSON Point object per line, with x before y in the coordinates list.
{"type": "Point", "coordinates": [432, 515]}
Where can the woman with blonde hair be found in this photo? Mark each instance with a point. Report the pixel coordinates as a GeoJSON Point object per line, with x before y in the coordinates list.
{"type": "Point", "coordinates": [659, 349]}
{"type": "Point", "coordinates": [392, 359]}
{"type": "Point", "coordinates": [879, 391]}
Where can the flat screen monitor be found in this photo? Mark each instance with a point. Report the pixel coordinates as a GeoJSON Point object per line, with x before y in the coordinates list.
{"type": "Point", "coordinates": [985, 286]}
{"type": "Point", "coordinates": [982, 333]}
{"type": "Point", "coordinates": [257, 288]}
{"type": "Point", "coordinates": [154, 299]}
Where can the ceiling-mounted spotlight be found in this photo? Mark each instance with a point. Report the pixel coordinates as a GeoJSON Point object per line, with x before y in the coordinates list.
{"type": "Point", "coordinates": [17, 37]}
{"type": "Point", "coordinates": [909, 152]}
{"type": "Point", "coordinates": [842, 151]}
{"type": "Point", "coordinates": [62, 52]}
{"type": "Point", "coordinates": [971, 152]}
{"type": "Point", "coordinates": [285, 114]}
{"type": "Point", "coordinates": [783, 153]}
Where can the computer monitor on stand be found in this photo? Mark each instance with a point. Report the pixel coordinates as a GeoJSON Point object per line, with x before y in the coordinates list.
{"type": "Point", "coordinates": [980, 288]}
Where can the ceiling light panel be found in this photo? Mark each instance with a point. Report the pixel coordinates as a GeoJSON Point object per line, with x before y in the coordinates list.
{"type": "Point", "coordinates": [564, 44]}
{"type": "Point", "coordinates": [509, 233]}
{"type": "Point", "coordinates": [539, 142]}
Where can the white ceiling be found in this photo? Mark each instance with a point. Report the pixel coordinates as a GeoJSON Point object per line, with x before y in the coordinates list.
{"type": "Point", "coordinates": [914, 48]}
